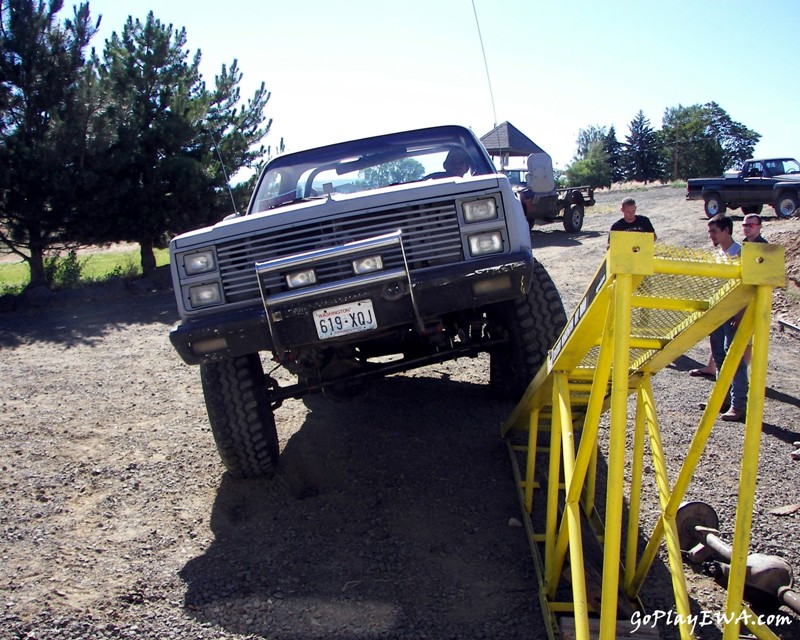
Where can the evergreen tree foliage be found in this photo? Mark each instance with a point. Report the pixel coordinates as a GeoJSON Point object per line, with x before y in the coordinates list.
{"type": "Point", "coordinates": [236, 130]}
{"type": "Point", "coordinates": [643, 158]}
{"type": "Point", "coordinates": [152, 176]}
{"type": "Point", "coordinates": [614, 151]}
{"type": "Point", "coordinates": [171, 138]}
{"type": "Point", "coordinates": [44, 102]}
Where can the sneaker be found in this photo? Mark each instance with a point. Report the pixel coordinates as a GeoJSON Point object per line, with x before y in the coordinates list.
{"type": "Point", "coordinates": [733, 415]}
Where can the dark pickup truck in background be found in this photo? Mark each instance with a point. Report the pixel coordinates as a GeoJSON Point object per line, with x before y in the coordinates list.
{"type": "Point", "coordinates": [771, 181]}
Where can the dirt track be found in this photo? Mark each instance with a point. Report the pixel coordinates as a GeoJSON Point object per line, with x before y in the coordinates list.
{"type": "Point", "coordinates": [389, 517]}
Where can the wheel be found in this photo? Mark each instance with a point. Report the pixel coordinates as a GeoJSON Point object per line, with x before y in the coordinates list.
{"type": "Point", "coordinates": [530, 324]}
{"type": "Point", "coordinates": [690, 516]}
{"type": "Point", "coordinates": [573, 218]}
{"type": "Point", "coordinates": [237, 402]}
{"type": "Point", "coordinates": [754, 209]}
{"type": "Point", "coordinates": [786, 204]}
{"type": "Point", "coordinates": [714, 205]}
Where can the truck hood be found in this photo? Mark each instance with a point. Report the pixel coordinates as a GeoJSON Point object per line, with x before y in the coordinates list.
{"type": "Point", "coordinates": [337, 203]}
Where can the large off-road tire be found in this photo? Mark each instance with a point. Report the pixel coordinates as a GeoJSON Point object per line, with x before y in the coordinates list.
{"type": "Point", "coordinates": [786, 204]}
{"type": "Point", "coordinates": [573, 217]}
{"type": "Point", "coordinates": [237, 401]}
{"type": "Point", "coordinates": [713, 205]}
{"type": "Point", "coordinates": [531, 324]}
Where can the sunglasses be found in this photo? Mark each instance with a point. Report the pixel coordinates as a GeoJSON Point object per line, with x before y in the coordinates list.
{"type": "Point", "coordinates": [749, 224]}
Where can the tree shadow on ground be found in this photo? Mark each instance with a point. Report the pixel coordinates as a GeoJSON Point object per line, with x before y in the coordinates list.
{"type": "Point", "coordinates": [85, 316]}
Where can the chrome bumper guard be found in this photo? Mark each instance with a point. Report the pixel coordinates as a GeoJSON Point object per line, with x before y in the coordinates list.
{"type": "Point", "coordinates": [351, 250]}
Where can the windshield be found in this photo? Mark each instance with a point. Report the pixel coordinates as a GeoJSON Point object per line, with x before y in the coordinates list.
{"type": "Point", "coordinates": [782, 167]}
{"type": "Point", "coordinates": [371, 163]}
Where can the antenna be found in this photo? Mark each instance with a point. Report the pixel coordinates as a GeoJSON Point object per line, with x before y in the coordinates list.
{"type": "Point", "coordinates": [224, 173]}
{"type": "Point", "coordinates": [488, 81]}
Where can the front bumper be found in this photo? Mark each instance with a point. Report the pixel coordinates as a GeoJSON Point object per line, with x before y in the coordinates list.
{"type": "Point", "coordinates": [407, 300]}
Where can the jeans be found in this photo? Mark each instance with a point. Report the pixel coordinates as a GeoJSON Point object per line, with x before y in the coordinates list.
{"type": "Point", "coordinates": [721, 339]}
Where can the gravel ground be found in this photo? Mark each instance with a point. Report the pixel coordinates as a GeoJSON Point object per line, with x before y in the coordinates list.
{"type": "Point", "coordinates": [391, 516]}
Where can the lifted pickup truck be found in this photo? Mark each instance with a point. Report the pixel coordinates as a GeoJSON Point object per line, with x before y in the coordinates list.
{"type": "Point", "coordinates": [772, 181]}
{"type": "Point", "coordinates": [542, 202]}
{"type": "Point", "coordinates": [353, 261]}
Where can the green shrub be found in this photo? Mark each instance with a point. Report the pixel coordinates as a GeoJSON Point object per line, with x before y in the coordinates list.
{"type": "Point", "coordinates": [126, 271]}
{"type": "Point", "coordinates": [11, 289]}
{"type": "Point", "coordinates": [63, 272]}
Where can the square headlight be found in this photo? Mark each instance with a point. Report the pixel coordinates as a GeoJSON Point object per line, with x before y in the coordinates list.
{"type": "Point", "coordinates": [480, 210]}
{"type": "Point", "coordinates": [367, 265]}
{"type": "Point", "coordinates": [301, 278]}
{"type": "Point", "coordinates": [482, 244]}
{"type": "Point", "coordinates": [205, 295]}
{"type": "Point", "coordinates": [199, 262]}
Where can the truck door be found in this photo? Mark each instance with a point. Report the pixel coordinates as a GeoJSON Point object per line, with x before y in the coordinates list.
{"type": "Point", "coordinates": [756, 186]}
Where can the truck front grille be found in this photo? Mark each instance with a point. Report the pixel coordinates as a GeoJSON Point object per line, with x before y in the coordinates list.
{"type": "Point", "coordinates": [431, 237]}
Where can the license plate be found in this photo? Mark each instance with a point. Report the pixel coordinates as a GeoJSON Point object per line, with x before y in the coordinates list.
{"type": "Point", "coordinates": [344, 318]}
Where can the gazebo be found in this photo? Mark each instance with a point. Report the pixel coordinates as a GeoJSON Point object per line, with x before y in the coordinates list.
{"type": "Point", "coordinates": [505, 140]}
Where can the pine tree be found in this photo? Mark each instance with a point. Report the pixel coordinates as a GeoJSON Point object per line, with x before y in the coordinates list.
{"type": "Point", "coordinates": [642, 160]}
{"type": "Point", "coordinates": [173, 140]}
{"type": "Point", "coordinates": [42, 134]}
{"type": "Point", "coordinates": [614, 152]}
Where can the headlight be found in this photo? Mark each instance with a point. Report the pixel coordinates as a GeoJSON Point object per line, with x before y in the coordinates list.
{"type": "Point", "coordinates": [301, 278]}
{"type": "Point", "coordinates": [367, 265]}
{"type": "Point", "coordinates": [204, 295]}
{"type": "Point", "coordinates": [480, 210]}
{"type": "Point", "coordinates": [200, 262]}
{"type": "Point", "coordinates": [482, 243]}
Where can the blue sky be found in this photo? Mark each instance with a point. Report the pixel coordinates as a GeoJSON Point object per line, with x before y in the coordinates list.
{"type": "Point", "coordinates": [353, 68]}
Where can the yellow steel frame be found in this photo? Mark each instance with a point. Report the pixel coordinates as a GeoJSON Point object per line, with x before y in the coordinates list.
{"type": "Point", "coordinates": [647, 305]}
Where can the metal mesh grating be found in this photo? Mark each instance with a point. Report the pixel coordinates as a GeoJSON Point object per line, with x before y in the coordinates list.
{"type": "Point", "coordinates": [665, 324]}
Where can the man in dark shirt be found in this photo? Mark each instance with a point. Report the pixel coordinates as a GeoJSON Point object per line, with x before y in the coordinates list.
{"type": "Point", "coordinates": [630, 221]}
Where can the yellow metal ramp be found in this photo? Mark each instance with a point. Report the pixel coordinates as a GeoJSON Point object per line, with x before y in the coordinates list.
{"type": "Point", "coordinates": [647, 305]}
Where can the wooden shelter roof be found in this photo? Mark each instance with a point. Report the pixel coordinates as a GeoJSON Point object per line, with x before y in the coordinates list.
{"type": "Point", "coordinates": [506, 140]}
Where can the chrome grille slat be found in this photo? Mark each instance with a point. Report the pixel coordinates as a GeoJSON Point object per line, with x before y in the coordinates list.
{"type": "Point", "coordinates": [431, 235]}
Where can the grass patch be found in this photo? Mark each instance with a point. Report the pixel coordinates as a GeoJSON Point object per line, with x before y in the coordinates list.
{"type": "Point", "coordinates": [631, 185]}
{"type": "Point", "coordinates": [76, 270]}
